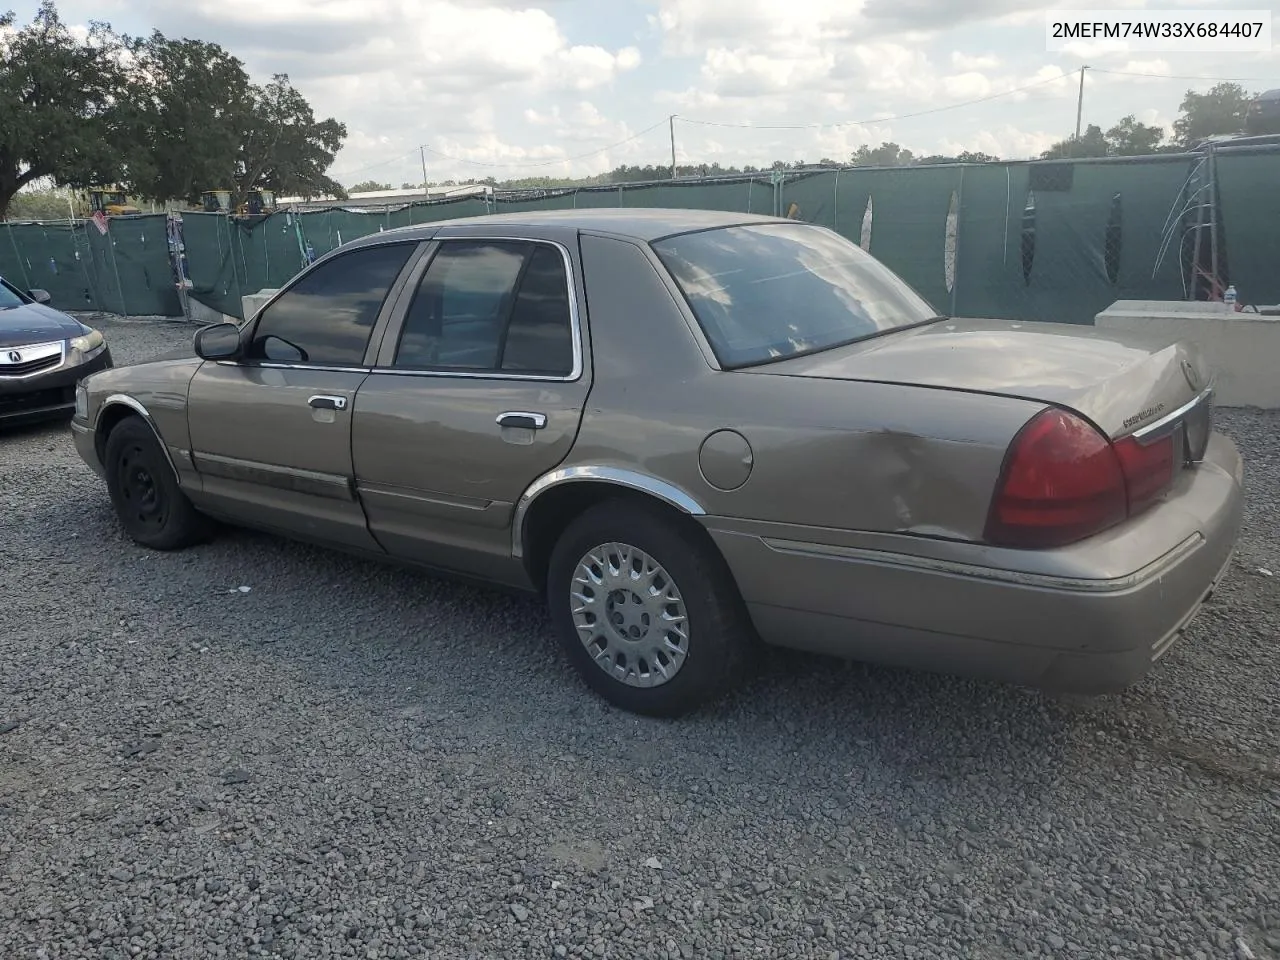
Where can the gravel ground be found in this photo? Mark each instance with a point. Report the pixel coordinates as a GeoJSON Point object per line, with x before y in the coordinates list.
{"type": "Point", "coordinates": [351, 760]}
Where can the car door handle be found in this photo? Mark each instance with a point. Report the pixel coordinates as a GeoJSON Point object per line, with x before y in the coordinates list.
{"type": "Point", "coordinates": [521, 418]}
{"type": "Point", "coordinates": [324, 402]}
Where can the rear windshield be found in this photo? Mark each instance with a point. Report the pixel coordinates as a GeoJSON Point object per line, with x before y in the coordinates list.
{"type": "Point", "coordinates": [771, 291]}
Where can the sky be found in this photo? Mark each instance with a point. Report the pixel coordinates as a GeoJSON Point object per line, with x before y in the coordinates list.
{"type": "Point", "coordinates": [516, 88]}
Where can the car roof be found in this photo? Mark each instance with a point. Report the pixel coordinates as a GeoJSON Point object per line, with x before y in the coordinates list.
{"type": "Point", "coordinates": [637, 223]}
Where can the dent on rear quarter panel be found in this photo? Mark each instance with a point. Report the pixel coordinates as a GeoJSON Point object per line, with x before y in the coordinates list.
{"type": "Point", "coordinates": [825, 453]}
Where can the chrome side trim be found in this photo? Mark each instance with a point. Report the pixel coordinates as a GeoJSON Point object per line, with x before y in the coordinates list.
{"type": "Point", "coordinates": [328, 485]}
{"type": "Point", "coordinates": [1170, 419]}
{"type": "Point", "coordinates": [124, 400]}
{"type": "Point", "coordinates": [883, 558]}
{"type": "Point", "coordinates": [273, 365]}
{"type": "Point", "coordinates": [666, 492]}
{"type": "Point", "coordinates": [412, 496]}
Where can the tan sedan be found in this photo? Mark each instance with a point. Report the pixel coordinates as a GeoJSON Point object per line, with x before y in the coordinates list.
{"type": "Point", "coordinates": [691, 431]}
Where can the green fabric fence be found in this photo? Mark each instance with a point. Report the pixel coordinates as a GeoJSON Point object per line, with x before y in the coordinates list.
{"type": "Point", "coordinates": [1029, 241]}
{"type": "Point", "coordinates": [125, 271]}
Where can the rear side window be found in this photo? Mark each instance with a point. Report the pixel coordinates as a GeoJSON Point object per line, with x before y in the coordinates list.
{"type": "Point", "coordinates": [771, 291]}
{"type": "Point", "coordinates": [490, 305]}
{"type": "Point", "coordinates": [540, 335]}
{"type": "Point", "coordinates": [328, 315]}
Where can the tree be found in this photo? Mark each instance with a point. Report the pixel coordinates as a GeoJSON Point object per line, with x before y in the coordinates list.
{"type": "Point", "coordinates": [885, 155]}
{"type": "Point", "coordinates": [965, 156]}
{"type": "Point", "coordinates": [1129, 138]}
{"type": "Point", "coordinates": [1092, 143]}
{"type": "Point", "coordinates": [1220, 111]}
{"type": "Point", "coordinates": [371, 186]}
{"type": "Point", "coordinates": [284, 148]}
{"type": "Point", "coordinates": [43, 204]}
{"type": "Point", "coordinates": [61, 99]}
{"type": "Point", "coordinates": [191, 103]}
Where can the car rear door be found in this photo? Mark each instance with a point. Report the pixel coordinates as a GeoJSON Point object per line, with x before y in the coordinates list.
{"type": "Point", "coordinates": [271, 433]}
{"type": "Point", "coordinates": [478, 390]}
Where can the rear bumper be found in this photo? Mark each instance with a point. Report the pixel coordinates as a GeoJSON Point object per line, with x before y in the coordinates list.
{"type": "Point", "coordinates": [1067, 632]}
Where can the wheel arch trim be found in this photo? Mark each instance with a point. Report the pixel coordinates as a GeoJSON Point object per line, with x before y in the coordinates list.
{"type": "Point", "coordinates": [137, 406]}
{"type": "Point", "coordinates": [666, 492]}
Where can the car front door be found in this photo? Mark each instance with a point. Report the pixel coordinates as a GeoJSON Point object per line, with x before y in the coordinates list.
{"type": "Point", "coordinates": [271, 431]}
{"type": "Point", "coordinates": [478, 390]}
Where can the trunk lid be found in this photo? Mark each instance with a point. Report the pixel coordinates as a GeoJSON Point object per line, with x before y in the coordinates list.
{"type": "Point", "coordinates": [1122, 382]}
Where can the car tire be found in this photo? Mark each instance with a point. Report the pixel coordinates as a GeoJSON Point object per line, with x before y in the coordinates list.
{"type": "Point", "coordinates": [601, 622]}
{"type": "Point", "coordinates": [151, 506]}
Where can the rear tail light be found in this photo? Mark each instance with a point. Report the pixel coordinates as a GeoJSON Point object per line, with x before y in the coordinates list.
{"type": "Point", "coordinates": [1148, 468]}
{"type": "Point", "coordinates": [1064, 481]}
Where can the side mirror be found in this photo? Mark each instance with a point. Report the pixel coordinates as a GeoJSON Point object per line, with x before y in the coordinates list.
{"type": "Point", "coordinates": [219, 341]}
{"type": "Point", "coordinates": [39, 296]}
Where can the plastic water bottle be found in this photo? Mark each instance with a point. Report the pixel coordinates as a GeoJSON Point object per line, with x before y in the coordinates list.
{"type": "Point", "coordinates": [1229, 298]}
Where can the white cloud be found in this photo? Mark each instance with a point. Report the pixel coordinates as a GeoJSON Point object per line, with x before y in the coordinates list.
{"type": "Point", "coordinates": [963, 61]}
{"type": "Point", "coordinates": [1005, 141]}
{"type": "Point", "coordinates": [527, 84]}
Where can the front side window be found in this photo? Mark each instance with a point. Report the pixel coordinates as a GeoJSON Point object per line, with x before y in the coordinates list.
{"type": "Point", "coordinates": [490, 305]}
{"type": "Point", "coordinates": [771, 291]}
{"type": "Point", "coordinates": [9, 296]}
{"type": "Point", "coordinates": [327, 317]}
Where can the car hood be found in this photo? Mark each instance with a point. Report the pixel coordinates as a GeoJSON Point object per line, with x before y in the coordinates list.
{"type": "Point", "coordinates": [1118, 380]}
{"type": "Point", "coordinates": [36, 323]}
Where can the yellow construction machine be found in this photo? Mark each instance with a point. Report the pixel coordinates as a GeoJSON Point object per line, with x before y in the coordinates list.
{"type": "Point", "coordinates": [110, 201]}
{"type": "Point", "coordinates": [260, 202]}
{"type": "Point", "coordinates": [216, 201]}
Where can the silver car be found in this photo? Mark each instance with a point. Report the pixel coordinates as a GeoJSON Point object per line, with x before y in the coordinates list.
{"type": "Point", "coordinates": [693, 431]}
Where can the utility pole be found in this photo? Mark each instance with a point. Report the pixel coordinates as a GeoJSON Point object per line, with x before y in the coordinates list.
{"type": "Point", "coordinates": [671, 120]}
{"type": "Point", "coordinates": [1080, 102]}
{"type": "Point", "coordinates": [422, 152]}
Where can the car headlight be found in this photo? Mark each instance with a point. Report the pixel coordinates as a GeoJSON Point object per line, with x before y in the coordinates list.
{"type": "Point", "coordinates": [82, 401]}
{"type": "Point", "coordinates": [89, 345]}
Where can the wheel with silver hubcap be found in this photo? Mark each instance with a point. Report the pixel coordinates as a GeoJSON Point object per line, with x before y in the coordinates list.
{"type": "Point", "coordinates": [629, 614]}
{"type": "Point", "coordinates": [646, 609]}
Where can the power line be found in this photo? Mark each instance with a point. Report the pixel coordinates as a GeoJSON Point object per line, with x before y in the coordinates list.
{"type": "Point", "coordinates": [549, 163]}
{"type": "Point", "coordinates": [1177, 76]}
{"type": "Point", "coordinates": [374, 166]}
{"type": "Point", "coordinates": [861, 123]}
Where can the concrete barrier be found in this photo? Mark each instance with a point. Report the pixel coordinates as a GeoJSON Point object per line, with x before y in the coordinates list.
{"type": "Point", "coordinates": [251, 303]}
{"type": "Point", "coordinates": [201, 314]}
{"type": "Point", "coordinates": [1242, 349]}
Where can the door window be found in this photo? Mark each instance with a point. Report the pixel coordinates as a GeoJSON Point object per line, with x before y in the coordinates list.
{"type": "Point", "coordinates": [490, 306]}
{"type": "Point", "coordinates": [328, 315]}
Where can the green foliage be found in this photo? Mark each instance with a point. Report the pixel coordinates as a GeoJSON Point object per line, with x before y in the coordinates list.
{"type": "Point", "coordinates": [1220, 111]}
{"type": "Point", "coordinates": [45, 204]}
{"type": "Point", "coordinates": [167, 118]}
{"type": "Point", "coordinates": [1129, 138]}
{"type": "Point", "coordinates": [964, 156]}
{"type": "Point", "coordinates": [370, 186]}
{"type": "Point", "coordinates": [284, 148]}
{"type": "Point", "coordinates": [61, 102]}
{"type": "Point", "coordinates": [190, 105]}
{"type": "Point", "coordinates": [1091, 143]}
{"type": "Point", "coordinates": [885, 155]}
